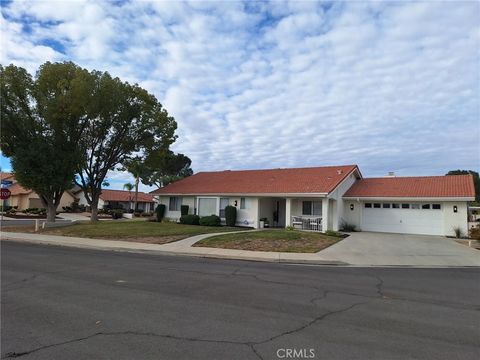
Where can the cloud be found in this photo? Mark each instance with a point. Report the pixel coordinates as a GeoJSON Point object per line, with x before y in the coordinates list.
{"type": "Point", "coordinates": [386, 85]}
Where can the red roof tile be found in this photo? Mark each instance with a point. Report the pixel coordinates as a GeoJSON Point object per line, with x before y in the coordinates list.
{"type": "Point", "coordinates": [5, 175]}
{"type": "Point", "coordinates": [17, 189]}
{"type": "Point", "coordinates": [272, 181]}
{"type": "Point", "coordinates": [121, 195]}
{"type": "Point", "coordinates": [425, 186]}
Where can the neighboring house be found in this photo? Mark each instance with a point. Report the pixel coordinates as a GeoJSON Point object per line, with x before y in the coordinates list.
{"type": "Point", "coordinates": [121, 199]}
{"type": "Point", "coordinates": [324, 198]}
{"type": "Point", "coordinates": [26, 198]}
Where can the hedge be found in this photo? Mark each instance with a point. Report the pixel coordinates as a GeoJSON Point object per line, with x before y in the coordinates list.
{"type": "Point", "coordinates": [160, 211]}
{"type": "Point", "coordinates": [212, 220]}
{"type": "Point", "coordinates": [184, 210]}
{"type": "Point", "coordinates": [230, 215]}
{"type": "Point", "coordinates": [190, 219]}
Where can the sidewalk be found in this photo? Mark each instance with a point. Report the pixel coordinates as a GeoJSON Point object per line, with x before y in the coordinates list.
{"type": "Point", "coordinates": [181, 247]}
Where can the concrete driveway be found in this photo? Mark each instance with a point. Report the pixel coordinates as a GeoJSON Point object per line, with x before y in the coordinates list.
{"type": "Point", "coordinates": [368, 248]}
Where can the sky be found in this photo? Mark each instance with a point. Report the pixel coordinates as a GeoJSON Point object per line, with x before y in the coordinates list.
{"type": "Point", "coordinates": [390, 86]}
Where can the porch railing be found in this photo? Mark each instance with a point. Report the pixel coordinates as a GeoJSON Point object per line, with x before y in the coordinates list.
{"type": "Point", "coordinates": [313, 223]}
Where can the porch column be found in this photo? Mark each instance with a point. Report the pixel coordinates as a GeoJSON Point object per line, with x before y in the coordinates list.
{"type": "Point", "coordinates": [325, 217]}
{"type": "Point", "coordinates": [288, 212]}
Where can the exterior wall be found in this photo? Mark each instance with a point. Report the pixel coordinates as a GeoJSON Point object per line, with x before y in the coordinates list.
{"type": "Point", "coordinates": [25, 201]}
{"type": "Point", "coordinates": [339, 211]}
{"type": "Point", "coordinates": [451, 220]}
{"type": "Point", "coordinates": [245, 217]}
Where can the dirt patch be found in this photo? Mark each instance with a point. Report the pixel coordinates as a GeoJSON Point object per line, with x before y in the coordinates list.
{"type": "Point", "coordinates": [149, 239]}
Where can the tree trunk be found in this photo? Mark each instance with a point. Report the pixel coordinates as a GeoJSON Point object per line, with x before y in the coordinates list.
{"type": "Point", "coordinates": [94, 207]}
{"type": "Point", "coordinates": [136, 194]}
{"type": "Point", "coordinates": [51, 211]}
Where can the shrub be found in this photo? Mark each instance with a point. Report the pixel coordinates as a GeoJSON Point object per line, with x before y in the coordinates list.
{"type": "Point", "coordinates": [190, 219]}
{"type": "Point", "coordinates": [290, 228]}
{"type": "Point", "coordinates": [212, 220]}
{"type": "Point", "coordinates": [475, 233]}
{"type": "Point", "coordinates": [117, 213]}
{"type": "Point", "coordinates": [147, 214]}
{"type": "Point", "coordinates": [458, 232]}
{"type": "Point", "coordinates": [184, 210]}
{"type": "Point", "coordinates": [347, 227]}
{"type": "Point", "coordinates": [160, 212]}
{"type": "Point", "coordinates": [136, 214]}
{"type": "Point", "coordinates": [332, 233]}
{"type": "Point", "coordinates": [230, 215]}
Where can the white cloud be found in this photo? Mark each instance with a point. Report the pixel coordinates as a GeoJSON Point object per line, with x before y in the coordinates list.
{"type": "Point", "coordinates": [390, 86]}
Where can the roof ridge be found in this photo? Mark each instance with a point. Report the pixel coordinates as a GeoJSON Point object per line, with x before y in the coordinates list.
{"type": "Point", "coordinates": [413, 177]}
{"type": "Point", "coordinates": [276, 169]}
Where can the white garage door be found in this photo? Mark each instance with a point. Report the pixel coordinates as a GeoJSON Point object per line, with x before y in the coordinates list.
{"type": "Point", "coordinates": [423, 220]}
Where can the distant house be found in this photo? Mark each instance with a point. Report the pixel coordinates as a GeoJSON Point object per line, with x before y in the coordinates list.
{"type": "Point", "coordinates": [325, 198]}
{"type": "Point", "coordinates": [26, 198]}
{"type": "Point", "coordinates": [120, 199]}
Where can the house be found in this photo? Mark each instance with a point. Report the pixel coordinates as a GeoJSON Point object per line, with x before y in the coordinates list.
{"type": "Point", "coordinates": [120, 199]}
{"type": "Point", "coordinates": [26, 198]}
{"type": "Point", "coordinates": [326, 198]}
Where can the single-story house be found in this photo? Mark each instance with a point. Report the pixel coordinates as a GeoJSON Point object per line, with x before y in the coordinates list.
{"type": "Point", "coordinates": [26, 198]}
{"type": "Point", "coordinates": [121, 199]}
{"type": "Point", "coordinates": [326, 198]}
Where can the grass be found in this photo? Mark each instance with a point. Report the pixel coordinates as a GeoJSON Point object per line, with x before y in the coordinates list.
{"type": "Point", "coordinates": [272, 240]}
{"type": "Point", "coordinates": [128, 230]}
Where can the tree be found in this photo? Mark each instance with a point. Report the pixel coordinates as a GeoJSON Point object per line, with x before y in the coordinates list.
{"type": "Point", "coordinates": [476, 180]}
{"type": "Point", "coordinates": [138, 169]}
{"type": "Point", "coordinates": [129, 187]}
{"type": "Point", "coordinates": [165, 167]}
{"type": "Point", "coordinates": [42, 120]}
{"type": "Point", "coordinates": [124, 119]}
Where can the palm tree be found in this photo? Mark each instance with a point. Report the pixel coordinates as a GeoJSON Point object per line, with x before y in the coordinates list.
{"type": "Point", "coordinates": [129, 187]}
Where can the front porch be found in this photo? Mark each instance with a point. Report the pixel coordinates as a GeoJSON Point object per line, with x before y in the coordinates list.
{"type": "Point", "coordinates": [314, 214]}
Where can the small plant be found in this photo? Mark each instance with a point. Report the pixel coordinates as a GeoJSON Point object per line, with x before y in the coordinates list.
{"type": "Point", "coordinates": [332, 233]}
{"type": "Point", "coordinates": [160, 212]}
{"type": "Point", "coordinates": [184, 210]}
{"type": "Point", "coordinates": [212, 220]}
{"type": "Point", "coordinates": [458, 232]}
{"type": "Point", "coordinates": [347, 227]}
{"type": "Point", "coordinates": [117, 213]}
{"type": "Point", "coordinates": [290, 228]}
{"type": "Point", "coordinates": [230, 215]}
{"type": "Point", "coordinates": [475, 233]}
{"type": "Point", "coordinates": [190, 219]}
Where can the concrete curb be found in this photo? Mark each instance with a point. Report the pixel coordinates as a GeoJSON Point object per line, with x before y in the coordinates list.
{"type": "Point", "coordinates": [203, 252]}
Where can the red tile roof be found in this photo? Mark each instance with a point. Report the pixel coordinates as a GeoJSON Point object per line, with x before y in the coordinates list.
{"type": "Point", "coordinates": [121, 195]}
{"type": "Point", "coordinates": [5, 175]}
{"type": "Point", "coordinates": [17, 189]}
{"type": "Point", "coordinates": [423, 187]}
{"type": "Point", "coordinates": [272, 181]}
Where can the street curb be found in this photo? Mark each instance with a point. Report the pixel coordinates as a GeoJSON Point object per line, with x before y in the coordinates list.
{"type": "Point", "coordinates": [278, 259]}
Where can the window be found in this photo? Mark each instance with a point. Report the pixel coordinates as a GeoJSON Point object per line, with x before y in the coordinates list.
{"type": "Point", "coordinates": [207, 206]}
{"type": "Point", "coordinates": [377, 205]}
{"type": "Point", "coordinates": [311, 208]}
{"type": "Point", "coordinates": [386, 206]}
{"type": "Point", "coordinates": [405, 206]}
{"type": "Point", "coordinates": [415, 206]}
{"type": "Point", "coordinates": [368, 205]}
{"type": "Point", "coordinates": [426, 206]}
{"type": "Point", "coordinates": [243, 203]}
{"type": "Point", "coordinates": [307, 208]}
{"type": "Point", "coordinates": [395, 206]}
{"type": "Point", "coordinates": [436, 206]}
{"type": "Point", "coordinates": [223, 204]}
{"type": "Point", "coordinates": [175, 203]}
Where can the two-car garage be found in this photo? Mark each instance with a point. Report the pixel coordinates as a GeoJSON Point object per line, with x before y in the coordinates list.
{"type": "Point", "coordinates": [409, 218]}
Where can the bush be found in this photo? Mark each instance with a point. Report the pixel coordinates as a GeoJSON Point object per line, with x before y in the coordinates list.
{"type": "Point", "coordinates": [347, 227]}
{"type": "Point", "coordinates": [136, 214]}
{"type": "Point", "coordinates": [290, 228]}
{"type": "Point", "coordinates": [458, 232]}
{"type": "Point", "coordinates": [212, 220]}
{"type": "Point", "coordinates": [332, 233]}
{"type": "Point", "coordinates": [184, 210]}
{"type": "Point", "coordinates": [117, 213]}
{"type": "Point", "coordinates": [475, 233]}
{"type": "Point", "coordinates": [230, 215]}
{"type": "Point", "coordinates": [190, 219]}
{"type": "Point", "coordinates": [160, 212]}
{"type": "Point", "coordinates": [147, 214]}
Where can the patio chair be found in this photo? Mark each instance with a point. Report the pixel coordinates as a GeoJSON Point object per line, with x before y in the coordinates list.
{"type": "Point", "coordinates": [297, 221]}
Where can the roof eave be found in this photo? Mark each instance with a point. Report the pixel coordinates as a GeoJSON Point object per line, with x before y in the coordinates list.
{"type": "Point", "coordinates": [412, 198]}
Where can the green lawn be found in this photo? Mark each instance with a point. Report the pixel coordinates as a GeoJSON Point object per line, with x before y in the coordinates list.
{"type": "Point", "coordinates": [272, 240]}
{"type": "Point", "coordinates": [140, 231]}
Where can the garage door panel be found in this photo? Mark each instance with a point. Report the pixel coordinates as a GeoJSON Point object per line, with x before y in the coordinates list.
{"type": "Point", "coordinates": [409, 221]}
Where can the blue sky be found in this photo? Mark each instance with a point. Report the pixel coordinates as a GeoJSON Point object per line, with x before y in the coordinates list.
{"type": "Point", "coordinates": [390, 86]}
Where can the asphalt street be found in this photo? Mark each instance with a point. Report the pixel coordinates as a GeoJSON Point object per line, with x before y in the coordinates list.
{"type": "Point", "coordinates": [66, 303]}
